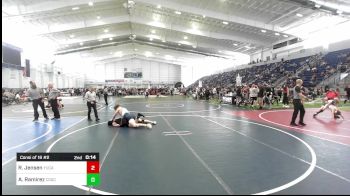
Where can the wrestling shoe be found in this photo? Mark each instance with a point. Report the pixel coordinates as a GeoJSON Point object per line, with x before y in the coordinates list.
{"type": "Point", "coordinates": [293, 124]}
{"type": "Point", "coordinates": [302, 124]}
{"type": "Point", "coordinates": [149, 126]}
{"type": "Point", "coordinates": [154, 122]}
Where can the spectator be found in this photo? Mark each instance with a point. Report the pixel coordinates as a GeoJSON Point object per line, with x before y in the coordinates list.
{"type": "Point", "coordinates": [253, 93]}
{"type": "Point", "coordinates": [261, 96]}
{"type": "Point", "coordinates": [17, 98]}
{"type": "Point", "coordinates": [347, 91]}
{"type": "Point", "coordinates": [105, 94]}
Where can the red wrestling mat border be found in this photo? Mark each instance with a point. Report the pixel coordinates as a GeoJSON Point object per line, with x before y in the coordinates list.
{"type": "Point", "coordinates": [323, 126]}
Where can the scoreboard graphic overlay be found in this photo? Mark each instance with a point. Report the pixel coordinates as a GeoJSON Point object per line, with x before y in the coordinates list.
{"type": "Point", "coordinates": [58, 169]}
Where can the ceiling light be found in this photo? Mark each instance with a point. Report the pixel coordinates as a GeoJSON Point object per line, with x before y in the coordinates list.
{"type": "Point", "coordinates": [194, 46]}
{"type": "Point", "coordinates": [179, 44]}
{"type": "Point", "coordinates": [224, 22]}
{"type": "Point", "coordinates": [156, 17]}
{"type": "Point", "coordinates": [110, 38]}
{"type": "Point", "coordinates": [220, 51]}
{"type": "Point", "coordinates": [204, 16]}
{"type": "Point", "coordinates": [277, 34]}
{"type": "Point", "coordinates": [72, 36]}
{"type": "Point", "coordinates": [67, 45]}
{"type": "Point", "coordinates": [317, 5]}
{"type": "Point", "coordinates": [150, 39]}
{"type": "Point", "coordinates": [235, 44]}
{"type": "Point", "coordinates": [339, 11]}
{"type": "Point", "coordinates": [153, 36]}
{"type": "Point", "coordinates": [163, 41]}
{"type": "Point", "coordinates": [299, 15]}
{"type": "Point", "coordinates": [177, 12]}
{"type": "Point", "coordinates": [168, 57]}
{"type": "Point", "coordinates": [119, 54]}
{"type": "Point", "coordinates": [159, 6]}
{"type": "Point", "coordinates": [185, 37]}
{"type": "Point", "coordinates": [111, 53]}
{"type": "Point", "coordinates": [135, 49]}
{"type": "Point", "coordinates": [106, 30]}
{"type": "Point", "coordinates": [132, 36]}
{"type": "Point", "coordinates": [91, 3]}
{"type": "Point", "coordinates": [148, 54]}
{"type": "Point", "coordinates": [100, 40]}
{"type": "Point", "coordinates": [81, 43]}
{"type": "Point", "coordinates": [98, 17]}
{"type": "Point", "coordinates": [285, 35]}
{"type": "Point", "coordinates": [75, 8]}
{"type": "Point", "coordinates": [263, 30]}
{"type": "Point", "coordinates": [153, 31]}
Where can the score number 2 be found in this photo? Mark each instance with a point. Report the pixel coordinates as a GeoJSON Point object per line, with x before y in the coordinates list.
{"type": "Point", "coordinates": [93, 167]}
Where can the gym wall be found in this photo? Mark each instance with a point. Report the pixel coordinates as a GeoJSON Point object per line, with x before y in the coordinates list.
{"type": "Point", "coordinates": [155, 72]}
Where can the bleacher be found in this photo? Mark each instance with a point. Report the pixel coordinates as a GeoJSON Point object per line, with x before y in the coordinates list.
{"type": "Point", "coordinates": [320, 67]}
{"type": "Point", "coordinates": [324, 67]}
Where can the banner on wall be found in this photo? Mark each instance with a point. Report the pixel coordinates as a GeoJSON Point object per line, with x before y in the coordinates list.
{"type": "Point", "coordinates": [238, 80]}
{"type": "Point", "coordinates": [27, 68]}
{"type": "Point", "coordinates": [24, 72]}
{"type": "Point", "coordinates": [13, 75]}
{"type": "Point", "coordinates": [115, 81]}
{"type": "Point", "coordinates": [133, 73]}
{"type": "Point", "coordinates": [7, 65]}
{"type": "Point", "coordinates": [343, 75]}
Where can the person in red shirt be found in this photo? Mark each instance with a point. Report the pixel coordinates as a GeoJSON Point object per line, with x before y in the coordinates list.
{"type": "Point", "coordinates": [330, 95]}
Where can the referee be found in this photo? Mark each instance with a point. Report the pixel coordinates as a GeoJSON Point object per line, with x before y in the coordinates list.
{"type": "Point", "coordinates": [90, 97]}
{"type": "Point", "coordinates": [298, 104]}
{"type": "Point", "coordinates": [54, 102]}
{"type": "Point", "coordinates": [35, 94]}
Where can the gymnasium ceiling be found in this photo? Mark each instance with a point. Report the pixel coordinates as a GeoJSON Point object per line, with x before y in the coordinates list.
{"type": "Point", "coordinates": [112, 29]}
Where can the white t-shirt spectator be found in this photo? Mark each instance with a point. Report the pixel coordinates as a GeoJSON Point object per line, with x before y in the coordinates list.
{"type": "Point", "coordinates": [17, 97]}
{"type": "Point", "coordinates": [90, 97]}
{"type": "Point", "coordinates": [253, 92]}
